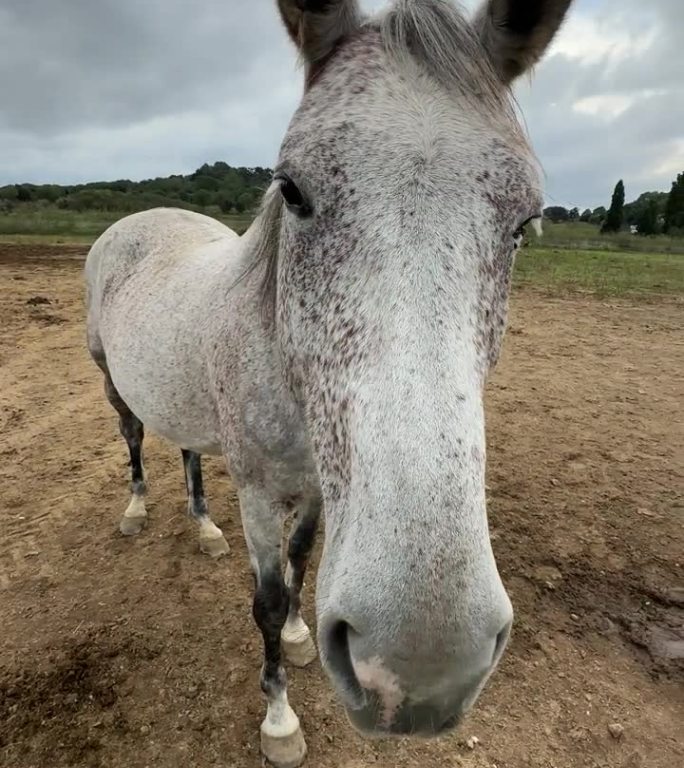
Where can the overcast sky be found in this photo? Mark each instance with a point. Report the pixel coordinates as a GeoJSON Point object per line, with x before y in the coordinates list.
{"type": "Point", "coordinates": [106, 89]}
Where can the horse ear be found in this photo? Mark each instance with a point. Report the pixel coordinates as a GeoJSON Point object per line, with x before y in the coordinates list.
{"type": "Point", "coordinates": [317, 26]}
{"type": "Point", "coordinates": [516, 33]}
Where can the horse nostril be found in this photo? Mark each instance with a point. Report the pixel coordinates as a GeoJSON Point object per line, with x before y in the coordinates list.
{"type": "Point", "coordinates": [449, 724]}
{"type": "Point", "coordinates": [501, 641]}
{"type": "Point", "coordinates": [340, 664]}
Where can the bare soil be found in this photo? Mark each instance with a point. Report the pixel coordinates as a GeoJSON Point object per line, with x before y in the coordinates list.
{"type": "Point", "coordinates": [143, 653]}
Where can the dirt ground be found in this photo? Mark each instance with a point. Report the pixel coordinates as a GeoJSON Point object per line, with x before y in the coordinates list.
{"type": "Point", "coordinates": [143, 653]}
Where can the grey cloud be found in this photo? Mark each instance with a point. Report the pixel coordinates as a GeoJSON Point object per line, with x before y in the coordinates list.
{"type": "Point", "coordinates": [110, 62]}
{"type": "Point", "coordinates": [112, 88]}
{"type": "Point", "coordinates": [584, 155]}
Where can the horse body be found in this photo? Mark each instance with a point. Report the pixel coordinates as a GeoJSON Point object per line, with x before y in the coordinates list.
{"type": "Point", "coordinates": [153, 278]}
{"type": "Point", "coordinates": [383, 257]}
{"type": "Point", "coordinates": [177, 329]}
{"type": "Point", "coordinates": [180, 330]}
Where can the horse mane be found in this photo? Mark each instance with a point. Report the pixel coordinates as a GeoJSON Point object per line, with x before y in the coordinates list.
{"type": "Point", "coordinates": [265, 230]}
{"type": "Point", "coordinates": [436, 35]}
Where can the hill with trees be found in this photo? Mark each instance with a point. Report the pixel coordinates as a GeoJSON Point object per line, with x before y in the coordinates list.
{"type": "Point", "coordinates": [219, 187]}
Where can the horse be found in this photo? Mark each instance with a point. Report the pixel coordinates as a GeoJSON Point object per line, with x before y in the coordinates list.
{"type": "Point", "coordinates": [336, 354]}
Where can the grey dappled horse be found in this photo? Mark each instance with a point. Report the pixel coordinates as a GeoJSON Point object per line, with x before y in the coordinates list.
{"type": "Point", "coordinates": [336, 354]}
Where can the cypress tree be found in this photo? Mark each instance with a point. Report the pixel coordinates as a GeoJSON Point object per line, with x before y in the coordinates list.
{"type": "Point", "coordinates": [674, 208]}
{"type": "Point", "coordinates": [615, 215]}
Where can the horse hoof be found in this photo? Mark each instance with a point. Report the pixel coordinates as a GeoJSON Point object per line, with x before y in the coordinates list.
{"type": "Point", "coordinates": [298, 645]}
{"type": "Point", "coordinates": [132, 526]}
{"type": "Point", "coordinates": [215, 547]}
{"type": "Point", "coordinates": [283, 751]}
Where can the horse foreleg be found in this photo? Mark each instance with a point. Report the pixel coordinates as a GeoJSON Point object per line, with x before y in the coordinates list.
{"type": "Point", "coordinates": [298, 644]}
{"type": "Point", "coordinates": [211, 537]}
{"type": "Point", "coordinates": [282, 741]}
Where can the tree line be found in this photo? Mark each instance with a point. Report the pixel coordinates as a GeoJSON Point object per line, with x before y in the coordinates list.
{"type": "Point", "coordinates": [651, 213]}
{"type": "Point", "coordinates": [218, 186]}
{"type": "Point", "coordinates": [222, 188]}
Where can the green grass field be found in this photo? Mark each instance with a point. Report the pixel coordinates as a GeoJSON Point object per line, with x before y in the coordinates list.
{"type": "Point", "coordinates": [588, 237]}
{"type": "Point", "coordinates": [569, 257]}
{"type": "Point", "coordinates": [603, 273]}
{"type": "Point", "coordinates": [53, 225]}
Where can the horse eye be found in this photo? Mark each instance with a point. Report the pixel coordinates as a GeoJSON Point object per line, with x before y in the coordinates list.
{"type": "Point", "coordinates": [292, 195]}
{"type": "Point", "coordinates": [535, 221]}
{"type": "Point", "coordinates": [518, 237]}
{"type": "Point", "coordinates": [519, 233]}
